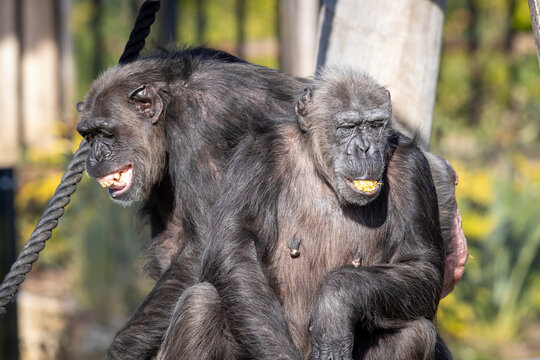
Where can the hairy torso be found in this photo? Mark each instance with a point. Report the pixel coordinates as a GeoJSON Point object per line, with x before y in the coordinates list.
{"type": "Point", "coordinates": [326, 235]}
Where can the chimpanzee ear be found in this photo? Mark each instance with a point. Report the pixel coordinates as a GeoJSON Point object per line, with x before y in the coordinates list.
{"type": "Point", "coordinates": [147, 101]}
{"type": "Point", "coordinates": [80, 106]}
{"type": "Point", "coordinates": [302, 109]}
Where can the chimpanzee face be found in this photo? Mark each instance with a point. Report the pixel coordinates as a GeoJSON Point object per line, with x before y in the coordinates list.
{"type": "Point", "coordinates": [121, 121]}
{"type": "Point", "coordinates": [349, 130]}
{"type": "Point", "coordinates": [358, 163]}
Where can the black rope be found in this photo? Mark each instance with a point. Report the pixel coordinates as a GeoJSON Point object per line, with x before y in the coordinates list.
{"type": "Point", "coordinates": [43, 230]}
{"type": "Point", "coordinates": [146, 17]}
{"type": "Point", "coordinates": [68, 184]}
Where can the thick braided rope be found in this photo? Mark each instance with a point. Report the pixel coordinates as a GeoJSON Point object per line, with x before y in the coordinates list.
{"type": "Point", "coordinates": [43, 230]}
{"type": "Point", "coordinates": [68, 184]}
{"type": "Point", "coordinates": [146, 17]}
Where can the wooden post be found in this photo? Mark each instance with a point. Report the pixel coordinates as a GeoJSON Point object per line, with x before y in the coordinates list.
{"type": "Point", "coordinates": [298, 29]}
{"type": "Point", "coordinates": [9, 70]}
{"type": "Point", "coordinates": [39, 73]}
{"type": "Point", "coordinates": [397, 42]}
{"type": "Point", "coordinates": [534, 8]}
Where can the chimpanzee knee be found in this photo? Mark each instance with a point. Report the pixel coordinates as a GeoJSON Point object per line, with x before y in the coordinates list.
{"type": "Point", "coordinates": [198, 328]}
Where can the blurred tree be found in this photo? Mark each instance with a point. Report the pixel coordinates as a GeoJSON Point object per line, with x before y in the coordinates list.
{"type": "Point", "coordinates": [241, 28]}
{"type": "Point", "coordinates": [201, 21]}
{"type": "Point", "coordinates": [167, 22]}
{"type": "Point", "coordinates": [97, 33]}
{"type": "Point", "coordinates": [298, 32]}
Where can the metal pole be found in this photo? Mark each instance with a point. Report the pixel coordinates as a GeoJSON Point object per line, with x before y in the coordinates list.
{"type": "Point", "coordinates": [8, 325]}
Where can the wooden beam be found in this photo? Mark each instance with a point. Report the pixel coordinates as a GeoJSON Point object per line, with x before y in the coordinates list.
{"type": "Point", "coordinates": [534, 8]}
{"type": "Point", "coordinates": [9, 69]}
{"type": "Point", "coordinates": [39, 67]}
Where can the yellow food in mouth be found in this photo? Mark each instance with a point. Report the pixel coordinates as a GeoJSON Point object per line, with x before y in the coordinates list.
{"type": "Point", "coordinates": [119, 178]}
{"type": "Point", "coordinates": [365, 185]}
{"type": "Point", "coordinates": [110, 181]}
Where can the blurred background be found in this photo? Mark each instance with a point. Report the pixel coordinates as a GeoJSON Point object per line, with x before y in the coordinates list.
{"type": "Point", "coordinates": [88, 279]}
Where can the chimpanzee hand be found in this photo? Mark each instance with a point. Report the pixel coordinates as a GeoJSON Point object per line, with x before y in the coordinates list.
{"type": "Point", "coordinates": [331, 327]}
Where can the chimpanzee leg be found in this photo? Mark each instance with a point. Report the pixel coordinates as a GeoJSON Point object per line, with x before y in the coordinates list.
{"type": "Point", "coordinates": [417, 340]}
{"type": "Point", "coordinates": [198, 328]}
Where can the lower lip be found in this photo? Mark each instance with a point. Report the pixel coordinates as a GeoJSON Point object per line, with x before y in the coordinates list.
{"type": "Point", "coordinates": [115, 191]}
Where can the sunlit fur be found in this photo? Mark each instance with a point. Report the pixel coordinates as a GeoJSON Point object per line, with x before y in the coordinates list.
{"type": "Point", "coordinates": [213, 101]}
{"type": "Point", "coordinates": [335, 90]}
{"type": "Point", "coordinates": [279, 190]}
{"type": "Point", "coordinates": [137, 141]}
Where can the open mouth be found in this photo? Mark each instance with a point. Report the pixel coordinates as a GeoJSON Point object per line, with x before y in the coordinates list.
{"type": "Point", "coordinates": [118, 182]}
{"type": "Point", "coordinates": [367, 187]}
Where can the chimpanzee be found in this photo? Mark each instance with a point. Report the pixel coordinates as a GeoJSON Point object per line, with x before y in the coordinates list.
{"type": "Point", "coordinates": [328, 223]}
{"type": "Point", "coordinates": [162, 131]}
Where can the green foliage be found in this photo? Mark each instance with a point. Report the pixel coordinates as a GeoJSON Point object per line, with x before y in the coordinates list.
{"type": "Point", "coordinates": [522, 17]}
{"type": "Point", "coordinates": [497, 294]}
{"type": "Point", "coordinates": [486, 120]}
{"type": "Point", "coordinates": [222, 21]}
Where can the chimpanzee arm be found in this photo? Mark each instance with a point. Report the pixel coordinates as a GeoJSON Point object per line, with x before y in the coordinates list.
{"type": "Point", "coordinates": [371, 298]}
{"type": "Point", "coordinates": [243, 220]}
{"type": "Point", "coordinates": [388, 296]}
{"type": "Point", "coordinates": [254, 312]}
{"type": "Point", "coordinates": [141, 336]}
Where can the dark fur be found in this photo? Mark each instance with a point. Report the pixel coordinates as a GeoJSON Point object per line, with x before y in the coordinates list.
{"type": "Point", "coordinates": [284, 183]}
{"type": "Point", "coordinates": [211, 100]}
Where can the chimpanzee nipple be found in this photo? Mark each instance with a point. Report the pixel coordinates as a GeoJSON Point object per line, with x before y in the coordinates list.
{"type": "Point", "coordinates": [294, 248]}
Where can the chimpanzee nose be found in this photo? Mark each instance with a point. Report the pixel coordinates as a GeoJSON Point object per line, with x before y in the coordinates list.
{"type": "Point", "coordinates": [100, 151]}
{"type": "Point", "coordinates": [358, 146]}
{"type": "Point", "coordinates": [363, 145]}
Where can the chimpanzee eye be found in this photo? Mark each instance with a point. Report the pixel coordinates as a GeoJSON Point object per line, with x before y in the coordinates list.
{"type": "Point", "coordinates": [376, 125]}
{"type": "Point", "coordinates": [344, 131]}
{"type": "Point", "coordinates": [106, 133]}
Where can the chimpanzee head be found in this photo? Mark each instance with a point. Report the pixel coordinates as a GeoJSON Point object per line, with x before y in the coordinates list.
{"type": "Point", "coordinates": [347, 116]}
{"type": "Point", "coordinates": [122, 119]}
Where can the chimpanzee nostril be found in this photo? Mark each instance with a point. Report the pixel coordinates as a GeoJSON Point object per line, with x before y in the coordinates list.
{"type": "Point", "coordinates": [363, 146]}
{"type": "Point", "coordinates": [358, 146]}
{"type": "Point", "coordinates": [100, 151]}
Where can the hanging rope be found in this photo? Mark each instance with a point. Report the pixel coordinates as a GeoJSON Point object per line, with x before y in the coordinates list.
{"type": "Point", "coordinates": [146, 17]}
{"type": "Point", "coordinates": [68, 184]}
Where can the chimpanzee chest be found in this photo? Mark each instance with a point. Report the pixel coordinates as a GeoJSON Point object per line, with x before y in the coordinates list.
{"type": "Point", "coordinates": [315, 236]}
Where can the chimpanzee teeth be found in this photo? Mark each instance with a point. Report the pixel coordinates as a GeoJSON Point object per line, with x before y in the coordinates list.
{"type": "Point", "coordinates": [111, 181]}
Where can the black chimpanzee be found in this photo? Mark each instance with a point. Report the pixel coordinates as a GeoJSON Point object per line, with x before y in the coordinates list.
{"type": "Point", "coordinates": [162, 131]}
{"type": "Point", "coordinates": [357, 203]}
